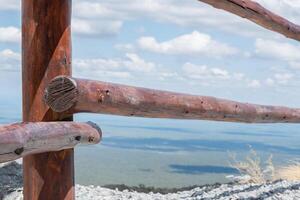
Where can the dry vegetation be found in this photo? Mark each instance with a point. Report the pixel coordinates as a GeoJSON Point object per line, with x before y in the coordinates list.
{"type": "Point", "coordinates": [252, 170]}
{"type": "Point", "coordinates": [290, 172]}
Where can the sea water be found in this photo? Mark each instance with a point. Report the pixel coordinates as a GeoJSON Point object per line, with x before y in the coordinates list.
{"type": "Point", "coordinates": [177, 153]}
{"type": "Point", "coordinates": [172, 153]}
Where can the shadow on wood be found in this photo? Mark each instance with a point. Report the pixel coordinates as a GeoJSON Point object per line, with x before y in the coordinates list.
{"type": "Point", "coordinates": [46, 53]}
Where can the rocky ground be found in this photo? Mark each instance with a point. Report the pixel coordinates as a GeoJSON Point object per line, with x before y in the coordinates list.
{"type": "Point", "coordinates": [11, 189]}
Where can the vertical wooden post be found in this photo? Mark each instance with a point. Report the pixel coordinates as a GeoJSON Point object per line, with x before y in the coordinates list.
{"type": "Point", "coordinates": [46, 43]}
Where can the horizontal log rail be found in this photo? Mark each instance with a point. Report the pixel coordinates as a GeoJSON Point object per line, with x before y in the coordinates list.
{"type": "Point", "coordinates": [22, 139]}
{"type": "Point", "coordinates": [71, 95]}
{"type": "Point", "coordinates": [256, 13]}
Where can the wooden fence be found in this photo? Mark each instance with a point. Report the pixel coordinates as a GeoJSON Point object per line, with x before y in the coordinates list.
{"type": "Point", "coordinates": [51, 96]}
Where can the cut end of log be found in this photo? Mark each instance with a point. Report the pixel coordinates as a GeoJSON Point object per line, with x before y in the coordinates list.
{"type": "Point", "coordinates": [95, 126]}
{"type": "Point", "coordinates": [61, 94]}
{"type": "Point", "coordinates": [95, 140]}
{"type": "Point", "coordinates": [93, 134]}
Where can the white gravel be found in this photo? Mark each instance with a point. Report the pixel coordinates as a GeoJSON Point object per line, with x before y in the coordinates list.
{"type": "Point", "coordinates": [284, 190]}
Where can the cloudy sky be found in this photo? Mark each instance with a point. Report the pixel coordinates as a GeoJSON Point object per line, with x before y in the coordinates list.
{"type": "Point", "coordinates": [177, 45]}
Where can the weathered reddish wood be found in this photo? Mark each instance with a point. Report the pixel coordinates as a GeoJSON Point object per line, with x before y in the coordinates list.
{"type": "Point", "coordinates": [78, 95]}
{"type": "Point", "coordinates": [22, 139]}
{"type": "Point", "coordinates": [254, 12]}
{"type": "Point", "coordinates": [46, 53]}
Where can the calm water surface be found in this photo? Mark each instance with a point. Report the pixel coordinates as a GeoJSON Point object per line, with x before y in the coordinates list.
{"type": "Point", "coordinates": [172, 153]}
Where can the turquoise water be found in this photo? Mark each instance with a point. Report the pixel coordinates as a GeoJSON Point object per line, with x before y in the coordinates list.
{"type": "Point", "coordinates": [172, 153]}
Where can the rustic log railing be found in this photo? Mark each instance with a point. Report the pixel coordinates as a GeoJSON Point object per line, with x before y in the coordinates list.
{"type": "Point", "coordinates": [46, 53]}
{"type": "Point", "coordinates": [48, 165]}
{"type": "Point", "coordinates": [19, 140]}
{"type": "Point", "coordinates": [69, 95]}
{"type": "Point", "coordinates": [258, 14]}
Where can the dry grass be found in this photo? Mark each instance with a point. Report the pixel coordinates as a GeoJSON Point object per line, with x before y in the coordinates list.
{"type": "Point", "coordinates": [252, 170]}
{"type": "Point", "coordinates": [290, 172]}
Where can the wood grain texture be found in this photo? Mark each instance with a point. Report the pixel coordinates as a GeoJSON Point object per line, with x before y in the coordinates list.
{"type": "Point", "coordinates": [46, 53]}
{"type": "Point", "coordinates": [22, 139]}
{"type": "Point", "coordinates": [256, 13]}
{"type": "Point", "coordinates": [65, 94]}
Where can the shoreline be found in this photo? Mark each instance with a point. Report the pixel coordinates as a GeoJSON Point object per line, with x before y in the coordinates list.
{"type": "Point", "coordinates": [11, 189]}
{"type": "Point", "coordinates": [150, 189]}
{"type": "Point", "coordinates": [13, 171]}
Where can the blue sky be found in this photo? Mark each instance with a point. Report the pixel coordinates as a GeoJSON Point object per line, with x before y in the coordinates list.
{"type": "Point", "coordinates": [177, 45]}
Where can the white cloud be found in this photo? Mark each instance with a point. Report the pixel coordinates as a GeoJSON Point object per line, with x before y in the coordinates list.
{"type": "Point", "coordinates": [283, 78]}
{"type": "Point", "coordinates": [169, 75]}
{"type": "Point", "coordinates": [294, 64]}
{"type": "Point", "coordinates": [99, 68]}
{"type": "Point", "coordinates": [125, 47]}
{"type": "Point", "coordinates": [10, 34]}
{"type": "Point", "coordinates": [95, 19]}
{"type": "Point", "coordinates": [87, 9]}
{"type": "Point", "coordinates": [270, 82]}
{"type": "Point", "coordinates": [192, 14]}
{"type": "Point", "coordinates": [220, 73]}
{"type": "Point", "coordinates": [85, 27]}
{"type": "Point", "coordinates": [113, 68]}
{"type": "Point", "coordinates": [9, 60]}
{"type": "Point", "coordinates": [210, 76]}
{"type": "Point", "coordinates": [278, 50]}
{"type": "Point", "coordinates": [190, 44]}
{"type": "Point", "coordinates": [254, 84]}
{"type": "Point", "coordinates": [9, 54]}
{"type": "Point", "coordinates": [96, 64]}
{"type": "Point", "coordinates": [279, 79]}
{"type": "Point", "coordinates": [281, 51]}
{"type": "Point", "coordinates": [10, 5]}
{"type": "Point", "coordinates": [184, 13]}
{"type": "Point", "coordinates": [238, 76]}
{"type": "Point", "coordinates": [202, 72]}
{"type": "Point", "coordinates": [135, 63]}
